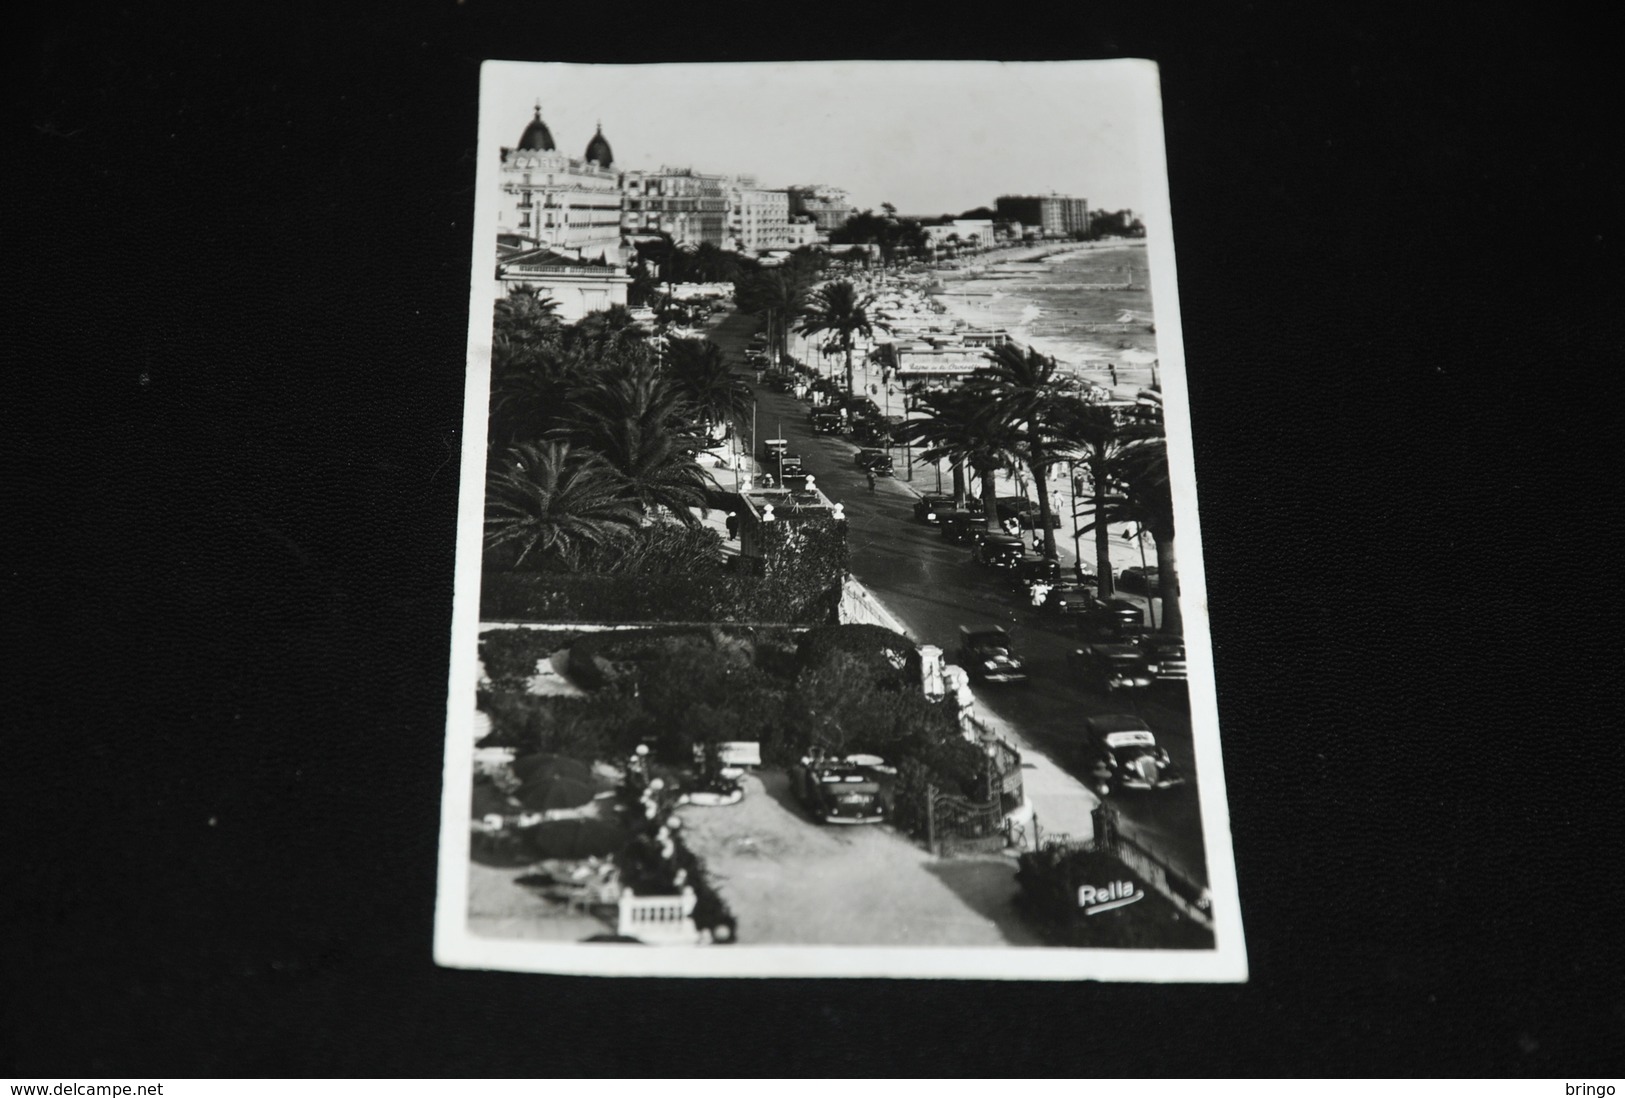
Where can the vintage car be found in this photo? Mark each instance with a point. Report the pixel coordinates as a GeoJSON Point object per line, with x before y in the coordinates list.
{"type": "Point", "coordinates": [826, 423]}
{"type": "Point", "coordinates": [1110, 667]}
{"type": "Point", "coordinates": [998, 551]}
{"type": "Point", "coordinates": [1069, 597]}
{"type": "Point", "coordinates": [1025, 512]}
{"type": "Point", "coordinates": [986, 655]}
{"type": "Point", "coordinates": [773, 447]}
{"type": "Point", "coordinates": [1164, 657]}
{"type": "Point", "coordinates": [1028, 571]}
{"type": "Point", "coordinates": [1121, 752]}
{"type": "Point", "coordinates": [1113, 618]}
{"type": "Point", "coordinates": [853, 789]}
{"type": "Point", "coordinates": [1143, 580]}
{"type": "Point", "coordinates": [962, 527]}
{"type": "Point", "coordinates": [934, 508]}
{"type": "Point", "coordinates": [878, 462]}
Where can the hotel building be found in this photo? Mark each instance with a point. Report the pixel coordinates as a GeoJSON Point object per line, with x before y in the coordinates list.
{"type": "Point", "coordinates": [1051, 215]}
{"type": "Point", "coordinates": [557, 201]}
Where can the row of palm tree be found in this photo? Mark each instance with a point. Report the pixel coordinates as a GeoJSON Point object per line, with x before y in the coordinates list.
{"type": "Point", "coordinates": [595, 430]}
{"type": "Point", "coordinates": [1023, 412]}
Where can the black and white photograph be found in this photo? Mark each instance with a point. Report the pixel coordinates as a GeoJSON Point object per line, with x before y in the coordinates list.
{"type": "Point", "coordinates": [819, 606]}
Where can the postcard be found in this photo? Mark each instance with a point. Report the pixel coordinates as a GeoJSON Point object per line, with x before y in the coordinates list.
{"type": "Point", "coordinates": [819, 609]}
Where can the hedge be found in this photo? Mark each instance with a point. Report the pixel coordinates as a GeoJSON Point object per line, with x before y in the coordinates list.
{"type": "Point", "coordinates": [894, 660]}
{"type": "Point", "coordinates": [721, 597]}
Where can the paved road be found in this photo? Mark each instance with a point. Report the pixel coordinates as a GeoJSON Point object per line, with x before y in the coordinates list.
{"type": "Point", "coordinates": [932, 587]}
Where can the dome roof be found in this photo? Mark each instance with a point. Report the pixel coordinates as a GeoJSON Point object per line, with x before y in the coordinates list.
{"type": "Point", "coordinates": [537, 135]}
{"type": "Point", "coordinates": [598, 150]}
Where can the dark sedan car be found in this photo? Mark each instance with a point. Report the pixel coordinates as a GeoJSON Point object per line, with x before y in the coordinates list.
{"type": "Point", "coordinates": [1164, 657]}
{"type": "Point", "coordinates": [962, 528]}
{"type": "Point", "coordinates": [1121, 752]}
{"type": "Point", "coordinates": [1069, 597]}
{"type": "Point", "coordinates": [1142, 580]}
{"type": "Point", "coordinates": [933, 508]}
{"type": "Point", "coordinates": [999, 551]}
{"type": "Point", "coordinates": [986, 655]}
{"type": "Point", "coordinates": [1114, 617]}
{"type": "Point", "coordinates": [1110, 667]}
{"type": "Point", "coordinates": [878, 462]}
{"type": "Point", "coordinates": [855, 789]}
{"type": "Point", "coordinates": [1027, 571]}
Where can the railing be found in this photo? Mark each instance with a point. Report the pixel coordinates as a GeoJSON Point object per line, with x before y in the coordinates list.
{"type": "Point", "coordinates": [658, 920]}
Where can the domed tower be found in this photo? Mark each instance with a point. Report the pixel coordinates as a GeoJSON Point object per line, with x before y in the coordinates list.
{"type": "Point", "coordinates": [537, 135]}
{"type": "Point", "coordinates": [598, 151]}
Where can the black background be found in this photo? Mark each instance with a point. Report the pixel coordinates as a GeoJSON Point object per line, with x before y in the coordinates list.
{"type": "Point", "coordinates": [238, 263]}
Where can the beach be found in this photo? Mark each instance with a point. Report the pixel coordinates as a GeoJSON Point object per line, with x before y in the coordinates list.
{"type": "Point", "coordinates": [1087, 305]}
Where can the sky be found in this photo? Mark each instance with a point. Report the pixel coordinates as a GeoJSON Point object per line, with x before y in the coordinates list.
{"type": "Point", "coordinates": [929, 137]}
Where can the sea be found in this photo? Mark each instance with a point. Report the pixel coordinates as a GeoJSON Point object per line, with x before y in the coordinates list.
{"type": "Point", "coordinates": [1089, 306]}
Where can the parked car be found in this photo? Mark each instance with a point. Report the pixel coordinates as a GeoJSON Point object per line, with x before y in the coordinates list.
{"type": "Point", "coordinates": [1164, 657]}
{"type": "Point", "coordinates": [1069, 597]}
{"type": "Point", "coordinates": [1111, 666]}
{"type": "Point", "coordinates": [1025, 512]}
{"type": "Point", "coordinates": [998, 551]}
{"type": "Point", "coordinates": [1121, 752]}
{"type": "Point", "coordinates": [854, 789]}
{"type": "Point", "coordinates": [962, 528]}
{"type": "Point", "coordinates": [1113, 617]}
{"type": "Point", "coordinates": [1143, 580]}
{"type": "Point", "coordinates": [1028, 571]}
{"type": "Point", "coordinates": [878, 462]}
{"type": "Point", "coordinates": [934, 508]}
{"type": "Point", "coordinates": [986, 655]}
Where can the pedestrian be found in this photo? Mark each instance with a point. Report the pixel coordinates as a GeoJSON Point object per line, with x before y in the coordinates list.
{"type": "Point", "coordinates": [733, 525]}
{"type": "Point", "coordinates": [1038, 541]}
{"type": "Point", "coordinates": [871, 474]}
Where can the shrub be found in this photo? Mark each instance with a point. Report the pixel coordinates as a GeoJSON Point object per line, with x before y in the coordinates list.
{"type": "Point", "coordinates": [664, 548]}
{"type": "Point", "coordinates": [603, 727]}
{"type": "Point", "coordinates": [510, 655]}
{"type": "Point", "coordinates": [887, 658]}
{"type": "Point", "coordinates": [702, 597]}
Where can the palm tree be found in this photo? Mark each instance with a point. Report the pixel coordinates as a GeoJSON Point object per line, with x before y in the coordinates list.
{"type": "Point", "coordinates": [526, 316]}
{"type": "Point", "coordinates": [1095, 431]}
{"type": "Point", "coordinates": [779, 295]}
{"type": "Point", "coordinates": [961, 427]}
{"type": "Point", "coordinates": [607, 333]}
{"type": "Point", "coordinates": [528, 388]}
{"type": "Point", "coordinates": [1024, 387]}
{"type": "Point", "coordinates": [554, 502]}
{"type": "Point", "coordinates": [700, 373]}
{"type": "Point", "coordinates": [1141, 468]}
{"type": "Point", "coordinates": [640, 422]}
{"type": "Point", "coordinates": [838, 308]}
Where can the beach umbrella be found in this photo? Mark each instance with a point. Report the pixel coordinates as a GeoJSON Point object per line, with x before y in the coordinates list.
{"type": "Point", "coordinates": [489, 800]}
{"type": "Point", "coordinates": [573, 840]}
{"type": "Point", "coordinates": [545, 794]}
{"type": "Point", "coordinates": [544, 765]}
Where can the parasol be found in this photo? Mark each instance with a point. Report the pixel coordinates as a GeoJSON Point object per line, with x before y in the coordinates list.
{"type": "Point", "coordinates": [573, 840]}
{"type": "Point", "coordinates": [544, 765]}
{"type": "Point", "coordinates": [548, 794]}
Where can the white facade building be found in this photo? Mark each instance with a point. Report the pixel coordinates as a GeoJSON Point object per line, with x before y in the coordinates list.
{"type": "Point", "coordinates": [560, 202]}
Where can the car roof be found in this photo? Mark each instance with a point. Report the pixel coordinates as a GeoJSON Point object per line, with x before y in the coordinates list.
{"type": "Point", "coordinates": [1116, 722]}
{"type": "Point", "coordinates": [977, 629]}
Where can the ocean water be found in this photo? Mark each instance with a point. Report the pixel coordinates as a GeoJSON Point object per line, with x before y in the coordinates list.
{"type": "Point", "coordinates": [1054, 305]}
